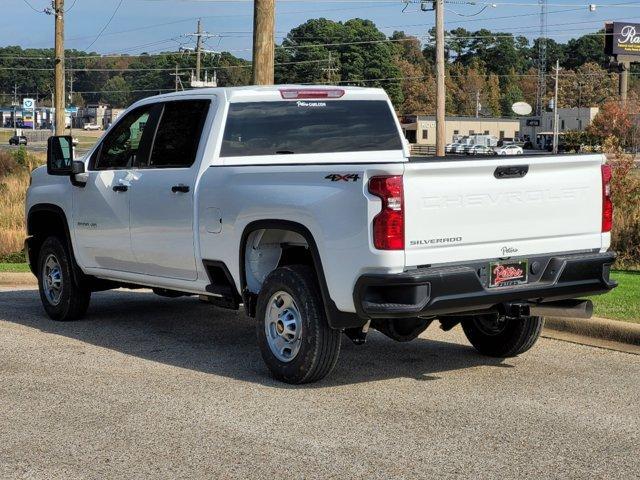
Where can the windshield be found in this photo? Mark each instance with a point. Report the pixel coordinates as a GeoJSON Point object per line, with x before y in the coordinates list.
{"type": "Point", "coordinates": [289, 127]}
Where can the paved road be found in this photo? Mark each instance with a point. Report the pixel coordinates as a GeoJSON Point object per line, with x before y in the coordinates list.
{"type": "Point", "coordinates": [159, 388]}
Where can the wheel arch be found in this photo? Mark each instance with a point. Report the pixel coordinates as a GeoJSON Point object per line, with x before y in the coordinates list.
{"type": "Point", "coordinates": [336, 318]}
{"type": "Point", "coordinates": [43, 220]}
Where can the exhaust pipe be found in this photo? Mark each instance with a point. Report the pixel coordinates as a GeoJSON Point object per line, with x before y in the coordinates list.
{"type": "Point", "coordinates": [563, 308]}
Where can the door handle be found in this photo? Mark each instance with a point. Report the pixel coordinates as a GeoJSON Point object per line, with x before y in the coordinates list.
{"type": "Point", "coordinates": [180, 188]}
{"type": "Point", "coordinates": [120, 188]}
{"type": "Point", "coordinates": [512, 171]}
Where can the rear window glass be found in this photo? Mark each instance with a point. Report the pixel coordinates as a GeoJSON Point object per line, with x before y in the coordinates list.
{"type": "Point", "coordinates": [310, 126]}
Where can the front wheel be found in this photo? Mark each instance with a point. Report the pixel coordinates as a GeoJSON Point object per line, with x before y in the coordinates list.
{"type": "Point", "coordinates": [498, 336]}
{"type": "Point", "coordinates": [294, 336]}
{"type": "Point", "coordinates": [61, 298]}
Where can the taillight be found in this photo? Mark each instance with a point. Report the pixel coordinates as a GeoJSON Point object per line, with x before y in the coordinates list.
{"type": "Point", "coordinates": [388, 225]}
{"type": "Point", "coordinates": [607, 203]}
{"type": "Point", "coordinates": [307, 93]}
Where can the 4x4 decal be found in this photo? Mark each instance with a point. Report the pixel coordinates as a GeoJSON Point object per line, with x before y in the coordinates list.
{"type": "Point", "coordinates": [349, 177]}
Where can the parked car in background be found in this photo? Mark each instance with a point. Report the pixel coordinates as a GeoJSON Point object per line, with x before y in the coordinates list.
{"type": "Point", "coordinates": [460, 148]}
{"type": "Point", "coordinates": [18, 140]}
{"type": "Point", "coordinates": [450, 147]}
{"type": "Point", "coordinates": [481, 150]}
{"type": "Point", "coordinates": [510, 150]}
{"type": "Point", "coordinates": [92, 126]}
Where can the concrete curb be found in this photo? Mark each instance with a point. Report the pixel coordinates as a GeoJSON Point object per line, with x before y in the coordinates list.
{"type": "Point", "coordinates": [14, 279]}
{"type": "Point", "coordinates": [598, 328]}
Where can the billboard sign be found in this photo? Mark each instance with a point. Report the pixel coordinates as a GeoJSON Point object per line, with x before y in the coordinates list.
{"type": "Point", "coordinates": [622, 38]}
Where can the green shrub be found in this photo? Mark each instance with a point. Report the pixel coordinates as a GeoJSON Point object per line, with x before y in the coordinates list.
{"type": "Point", "coordinates": [17, 257]}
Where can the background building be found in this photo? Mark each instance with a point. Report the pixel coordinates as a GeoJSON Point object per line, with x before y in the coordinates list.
{"type": "Point", "coordinates": [539, 130]}
{"type": "Point", "coordinates": [421, 129]}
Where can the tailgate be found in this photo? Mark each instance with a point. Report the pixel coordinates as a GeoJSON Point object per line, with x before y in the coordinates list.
{"type": "Point", "coordinates": [459, 211]}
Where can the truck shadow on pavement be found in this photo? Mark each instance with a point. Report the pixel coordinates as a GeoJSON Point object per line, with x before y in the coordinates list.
{"type": "Point", "coordinates": [190, 334]}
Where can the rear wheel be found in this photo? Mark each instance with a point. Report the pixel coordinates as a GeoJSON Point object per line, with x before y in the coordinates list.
{"type": "Point", "coordinates": [61, 298]}
{"type": "Point", "coordinates": [294, 337]}
{"type": "Point", "coordinates": [498, 336]}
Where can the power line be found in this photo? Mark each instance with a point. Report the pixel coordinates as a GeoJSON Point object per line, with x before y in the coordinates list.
{"type": "Point", "coordinates": [67, 10]}
{"type": "Point", "coordinates": [32, 7]}
{"type": "Point", "coordinates": [106, 25]}
{"type": "Point", "coordinates": [304, 45]}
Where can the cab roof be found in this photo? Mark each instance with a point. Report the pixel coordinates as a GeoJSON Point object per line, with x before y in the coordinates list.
{"type": "Point", "coordinates": [254, 93]}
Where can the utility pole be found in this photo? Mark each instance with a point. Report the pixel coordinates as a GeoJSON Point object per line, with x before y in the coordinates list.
{"type": "Point", "coordinates": [330, 70]}
{"type": "Point", "coordinates": [177, 77]}
{"type": "Point", "coordinates": [196, 81]}
{"type": "Point", "coordinates": [59, 66]}
{"type": "Point", "coordinates": [71, 100]}
{"type": "Point", "coordinates": [198, 50]}
{"type": "Point", "coordinates": [264, 12]}
{"type": "Point", "coordinates": [555, 111]}
{"type": "Point", "coordinates": [440, 86]}
{"type": "Point", "coordinates": [478, 106]}
{"type": "Point", "coordinates": [15, 103]}
{"type": "Point", "coordinates": [624, 81]}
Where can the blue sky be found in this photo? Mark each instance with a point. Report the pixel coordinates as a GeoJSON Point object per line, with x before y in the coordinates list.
{"type": "Point", "coordinates": [157, 25]}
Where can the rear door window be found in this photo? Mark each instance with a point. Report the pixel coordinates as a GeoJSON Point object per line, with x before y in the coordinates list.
{"type": "Point", "coordinates": [178, 135]}
{"type": "Point", "coordinates": [293, 127]}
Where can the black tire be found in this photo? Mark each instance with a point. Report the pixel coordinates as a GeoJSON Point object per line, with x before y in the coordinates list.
{"type": "Point", "coordinates": [319, 345]}
{"type": "Point", "coordinates": [73, 301]}
{"type": "Point", "coordinates": [502, 337]}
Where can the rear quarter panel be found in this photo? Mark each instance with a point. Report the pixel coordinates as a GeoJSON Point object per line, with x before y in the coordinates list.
{"type": "Point", "coordinates": [338, 214]}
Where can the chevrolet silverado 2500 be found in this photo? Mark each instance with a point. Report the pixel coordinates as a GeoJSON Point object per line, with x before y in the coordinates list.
{"type": "Point", "coordinates": [303, 205]}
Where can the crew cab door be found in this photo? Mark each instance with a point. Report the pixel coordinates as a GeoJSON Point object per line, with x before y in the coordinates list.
{"type": "Point", "coordinates": [162, 194]}
{"type": "Point", "coordinates": [101, 207]}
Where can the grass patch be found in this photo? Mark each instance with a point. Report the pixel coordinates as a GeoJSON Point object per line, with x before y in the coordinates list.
{"type": "Point", "coordinates": [623, 303]}
{"type": "Point", "coordinates": [14, 267]}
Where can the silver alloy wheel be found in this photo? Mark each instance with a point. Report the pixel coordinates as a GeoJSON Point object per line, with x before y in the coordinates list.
{"type": "Point", "coordinates": [52, 280]}
{"type": "Point", "coordinates": [283, 326]}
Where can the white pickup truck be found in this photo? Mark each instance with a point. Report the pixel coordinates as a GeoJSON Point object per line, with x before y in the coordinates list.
{"type": "Point", "coordinates": [303, 205]}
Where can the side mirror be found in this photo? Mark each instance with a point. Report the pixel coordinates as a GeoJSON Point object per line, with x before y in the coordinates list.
{"type": "Point", "coordinates": [60, 155]}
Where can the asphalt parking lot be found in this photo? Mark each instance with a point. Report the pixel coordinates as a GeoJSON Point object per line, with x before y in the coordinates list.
{"type": "Point", "coordinates": [148, 387]}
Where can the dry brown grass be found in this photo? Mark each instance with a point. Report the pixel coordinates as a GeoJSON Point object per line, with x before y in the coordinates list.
{"type": "Point", "coordinates": [14, 180]}
{"type": "Point", "coordinates": [625, 237]}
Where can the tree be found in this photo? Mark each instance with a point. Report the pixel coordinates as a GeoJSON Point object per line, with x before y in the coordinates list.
{"type": "Point", "coordinates": [408, 48]}
{"type": "Point", "coordinates": [555, 51]}
{"type": "Point", "coordinates": [614, 123]}
{"type": "Point", "coordinates": [469, 84]}
{"type": "Point", "coordinates": [418, 89]}
{"type": "Point", "coordinates": [499, 52]}
{"type": "Point", "coordinates": [588, 85]}
{"type": "Point", "coordinates": [360, 52]}
{"type": "Point", "coordinates": [492, 95]}
{"type": "Point", "coordinates": [585, 49]}
{"type": "Point", "coordinates": [511, 93]}
{"type": "Point", "coordinates": [116, 92]}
